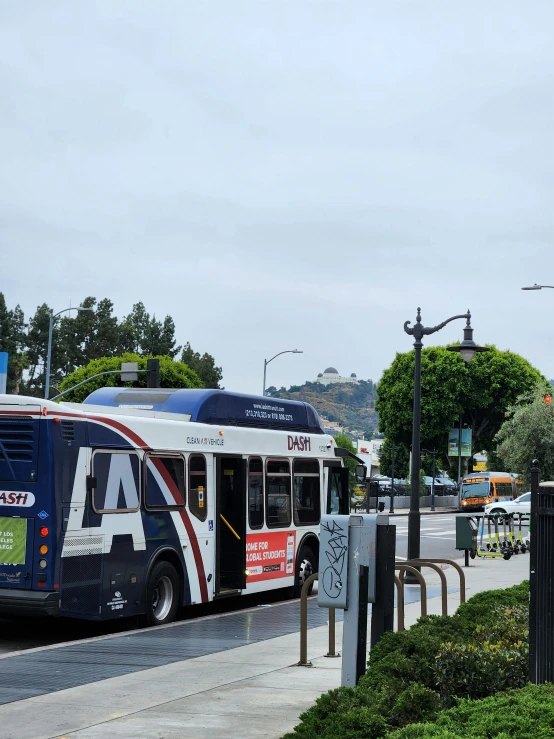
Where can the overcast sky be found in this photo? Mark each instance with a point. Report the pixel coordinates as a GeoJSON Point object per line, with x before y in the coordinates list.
{"type": "Point", "coordinates": [284, 174]}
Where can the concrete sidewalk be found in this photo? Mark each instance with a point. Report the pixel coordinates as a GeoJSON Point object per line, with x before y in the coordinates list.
{"type": "Point", "coordinates": [251, 691]}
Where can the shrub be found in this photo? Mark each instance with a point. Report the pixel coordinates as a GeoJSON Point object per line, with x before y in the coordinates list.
{"type": "Point", "coordinates": [408, 656]}
{"type": "Point", "coordinates": [479, 670]}
{"type": "Point", "coordinates": [415, 704]}
{"type": "Point", "coordinates": [348, 713]}
{"type": "Point", "coordinates": [527, 713]}
{"type": "Point", "coordinates": [495, 659]}
{"type": "Point", "coordinates": [414, 674]}
{"type": "Point", "coordinates": [479, 609]}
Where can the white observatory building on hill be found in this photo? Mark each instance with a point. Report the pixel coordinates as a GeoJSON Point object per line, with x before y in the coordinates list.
{"type": "Point", "coordinates": [331, 376]}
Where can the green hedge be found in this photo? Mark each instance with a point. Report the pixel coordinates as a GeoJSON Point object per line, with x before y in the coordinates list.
{"type": "Point", "coordinates": [415, 674]}
{"type": "Point", "coordinates": [527, 713]}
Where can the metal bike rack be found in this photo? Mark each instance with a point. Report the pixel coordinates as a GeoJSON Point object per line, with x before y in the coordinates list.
{"type": "Point", "coordinates": [456, 566]}
{"type": "Point", "coordinates": [304, 625]}
{"type": "Point", "coordinates": [404, 567]}
{"type": "Point", "coordinates": [444, 588]}
{"type": "Point", "coordinates": [399, 602]}
{"type": "Point", "coordinates": [409, 566]}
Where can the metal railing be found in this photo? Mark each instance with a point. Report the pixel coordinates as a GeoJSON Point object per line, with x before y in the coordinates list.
{"type": "Point", "coordinates": [403, 567]}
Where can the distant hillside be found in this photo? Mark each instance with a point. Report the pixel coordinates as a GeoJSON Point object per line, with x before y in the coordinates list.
{"type": "Point", "coordinates": [351, 405]}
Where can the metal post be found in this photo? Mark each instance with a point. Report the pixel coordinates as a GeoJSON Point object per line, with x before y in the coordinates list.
{"type": "Point", "coordinates": [265, 367]}
{"type": "Point", "coordinates": [433, 483]}
{"type": "Point", "coordinates": [414, 516]}
{"type": "Point", "coordinates": [391, 509]}
{"type": "Point", "coordinates": [48, 356]}
{"type": "Point", "coordinates": [533, 577]}
{"type": "Point", "coordinates": [363, 588]}
{"type": "Point", "coordinates": [382, 611]}
{"type": "Point", "coordinates": [460, 452]}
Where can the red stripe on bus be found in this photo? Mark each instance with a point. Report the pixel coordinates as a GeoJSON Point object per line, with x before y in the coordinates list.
{"type": "Point", "coordinates": [109, 422]}
{"type": "Point", "coordinates": [188, 526]}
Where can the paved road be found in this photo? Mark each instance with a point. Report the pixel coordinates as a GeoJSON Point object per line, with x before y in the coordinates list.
{"type": "Point", "coordinates": [438, 535]}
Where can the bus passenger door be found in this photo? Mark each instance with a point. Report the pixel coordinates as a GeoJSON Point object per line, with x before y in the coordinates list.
{"type": "Point", "coordinates": [338, 497]}
{"type": "Point", "coordinates": [230, 524]}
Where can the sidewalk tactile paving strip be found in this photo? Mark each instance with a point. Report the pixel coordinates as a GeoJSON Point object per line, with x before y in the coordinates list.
{"type": "Point", "coordinates": [58, 668]}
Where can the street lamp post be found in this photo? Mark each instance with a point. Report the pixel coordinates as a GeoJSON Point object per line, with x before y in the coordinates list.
{"type": "Point", "coordinates": [267, 361]}
{"type": "Point", "coordinates": [467, 349]}
{"type": "Point", "coordinates": [49, 350]}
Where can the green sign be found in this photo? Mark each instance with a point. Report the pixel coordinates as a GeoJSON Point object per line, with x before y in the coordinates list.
{"type": "Point", "coordinates": [13, 541]}
{"type": "Point", "coordinates": [453, 440]}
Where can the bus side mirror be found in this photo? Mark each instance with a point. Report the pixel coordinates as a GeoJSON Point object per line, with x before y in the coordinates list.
{"type": "Point", "coordinates": [361, 473]}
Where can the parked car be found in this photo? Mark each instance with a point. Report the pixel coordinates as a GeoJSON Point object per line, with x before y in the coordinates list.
{"type": "Point", "coordinates": [518, 505]}
{"type": "Point", "coordinates": [449, 486]}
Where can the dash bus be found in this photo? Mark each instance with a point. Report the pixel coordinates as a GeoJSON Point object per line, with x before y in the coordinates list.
{"type": "Point", "coordinates": [138, 502]}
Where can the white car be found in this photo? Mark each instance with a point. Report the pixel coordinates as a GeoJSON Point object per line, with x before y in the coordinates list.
{"type": "Point", "coordinates": [518, 505]}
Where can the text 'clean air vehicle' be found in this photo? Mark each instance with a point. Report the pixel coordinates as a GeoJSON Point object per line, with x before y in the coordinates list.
{"type": "Point", "coordinates": [139, 501]}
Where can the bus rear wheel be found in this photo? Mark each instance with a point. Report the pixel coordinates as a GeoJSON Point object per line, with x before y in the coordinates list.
{"type": "Point", "coordinates": [162, 594]}
{"type": "Point", "coordinates": [306, 566]}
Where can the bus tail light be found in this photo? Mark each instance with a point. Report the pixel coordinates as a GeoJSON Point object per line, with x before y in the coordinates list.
{"type": "Point", "coordinates": [44, 531]}
{"type": "Point", "coordinates": [43, 564]}
{"type": "Point", "coordinates": [43, 549]}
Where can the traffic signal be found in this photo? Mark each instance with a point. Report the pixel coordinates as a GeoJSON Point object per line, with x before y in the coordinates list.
{"type": "Point", "coordinates": [152, 373]}
{"type": "Point", "coordinates": [547, 398]}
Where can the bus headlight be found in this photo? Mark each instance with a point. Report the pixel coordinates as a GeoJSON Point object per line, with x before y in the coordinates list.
{"type": "Point", "coordinates": [43, 564]}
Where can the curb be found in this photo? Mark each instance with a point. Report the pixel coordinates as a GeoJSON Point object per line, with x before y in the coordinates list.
{"type": "Point", "coordinates": [425, 513]}
{"type": "Point", "coordinates": [406, 512]}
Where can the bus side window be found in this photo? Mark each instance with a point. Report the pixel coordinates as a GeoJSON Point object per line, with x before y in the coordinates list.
{"type": "Point", "coordinates": [164, 481]}
{"type": "Point", "coordinates": [198, 500]}
{"type": "Point", "coordinates": [334, 491]}
{"type": "Point", "coordinates": [277, 491]}
{"type": "Point", "coordinates": [117, 476]}
{"type": "Point", "coordinates": [306, 492]}
{"type": "Point", "coordinates": [255, 493]}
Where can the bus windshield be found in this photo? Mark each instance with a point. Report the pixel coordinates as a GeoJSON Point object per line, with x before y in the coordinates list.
{"type": "Point", "coordinates": [475, 490]}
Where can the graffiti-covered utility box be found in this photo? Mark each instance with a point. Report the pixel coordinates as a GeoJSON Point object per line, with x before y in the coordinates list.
{"type": "Point", "coordinates": [346, 542]}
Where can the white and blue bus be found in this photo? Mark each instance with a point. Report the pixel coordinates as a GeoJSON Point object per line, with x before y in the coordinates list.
{"type": "Point", "coordinates": [139, 501]}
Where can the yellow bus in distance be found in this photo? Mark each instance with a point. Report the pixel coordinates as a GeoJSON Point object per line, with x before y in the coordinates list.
{"type": "Point", "coordinates": [480, 488]}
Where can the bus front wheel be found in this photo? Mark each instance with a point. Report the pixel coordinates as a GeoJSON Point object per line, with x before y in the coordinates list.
{"type": "Point", "coordinates": [305, 567]}
{"type": "Point", "coordinates": [162, 594]}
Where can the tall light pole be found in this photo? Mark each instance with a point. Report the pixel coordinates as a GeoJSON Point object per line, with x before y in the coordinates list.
{"type": "Point", "coordinates": [49, 350]}
{"type": "Point", "coordinates": [267, 361]}
{"type": "Point", "coordinates": [467, 349]}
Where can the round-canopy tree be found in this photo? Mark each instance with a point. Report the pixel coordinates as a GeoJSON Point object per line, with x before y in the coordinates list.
{"type": "Point", "coordinates": [172, 374]}
{"type": "Point", "coordinates": [527, 434]}
{"type": "Point", "coordinates": [481, 391]}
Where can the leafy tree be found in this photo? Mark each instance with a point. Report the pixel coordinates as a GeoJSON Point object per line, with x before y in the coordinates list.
{"type": "Point", "coordinates": [342, 440]}
{"type": "Point", "coordinates": [12, 341]}
{"type": "Point", "coordinates": [37, 347]}
{"type": "Point", "coordinates": [401, 460]}
{"type": "Point", "coordinates": [89, 334]}
{"type": "Point", "coordinates": [143, 334]}
{"type": "Point", "coordinates": [482, 390]}
{"type": "Point", "coordinates": [204, 366]}
{"type": "Point", "coordinates": [173, 374]}
{"type": "Point", "coordinates": [527, 434]}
